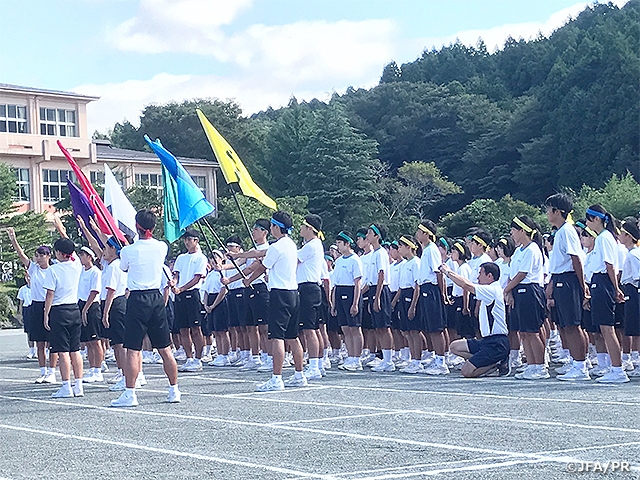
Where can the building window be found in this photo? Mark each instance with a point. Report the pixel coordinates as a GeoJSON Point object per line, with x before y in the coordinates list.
{"type": "Point", "coordinates": [97, 177]}
{"type": "Point", "coordinates": [54, 184]}
{"type": "Point", "coordinates": [58, 121]}
{"type": "Point", "coordinates": [22, 176]}
{"type": "Point", "coordinates": [201, 182]}
{"type": "Point", "coordinates": [150, 180]}
{"type": "Point", "coordinates": [13, 118]}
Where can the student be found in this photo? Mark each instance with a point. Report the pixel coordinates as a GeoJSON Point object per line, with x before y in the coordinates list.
{"type": "Point", "coordinates": [505, 248]}
{"type": "Point", "coordinates": [525, 294]}
{"type": "Point", "coordinates": [489, 352]}
{"type": "Point", "coordinates": [399, 340]}
{"type": "Point", "coordinates": [145, 310]}
{"type": "Point", "coordinates": [37, 333]}
{"type": "Point", "coordinates": [62, 316]}
{"type": "Point", "coordinates": [237, 305]}
{"type": "Point", "coordinates": [91, 314]}
{"type": "Point", "coordinates": [604, 288]}
{"type": "Point", "coordinates": [365, 251]}
{"type": "Point", "coordinates": [282, 260]}
{"type": "Point", "coordinates": [460, 256]}
{"type": "Point", "coordinates": [566, 289]}
{"type": "Point", "coordinates": [478, 242]}
{"type": "Point", "coordinates": [24, 310]}
{"type": "Point", "coordinates": [189, 271]}
{"type": "Point", "coordinates": [432, 296]}
{"type": "Point", "coordinates": [630, 280]}
{"type": "Point", "coordinates": [346, 300]}
{"type": "Point", "coordinates": [215, 300]}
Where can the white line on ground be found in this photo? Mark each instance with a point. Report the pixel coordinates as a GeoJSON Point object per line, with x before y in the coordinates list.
{"type": "Point", "coordinates": [344, 417]}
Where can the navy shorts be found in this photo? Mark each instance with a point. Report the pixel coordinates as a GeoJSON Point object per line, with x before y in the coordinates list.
{"type": "Point", "coordinates": [431, 308]}
{"type": "Point", "coordinates": [382, 319]}
{"type": "Point", "coordinates": [323, 312]}
{"type": "Point", "coordinates": [93, 329]}
{"type": "Point", "coordinates": [602, 300]}
{"type": "Point", "coordinates": [489, 350]}
{"type": "Point", "coordinates": [567, 296]}
{"type": "Point", "coordinates": [188, 309]}
{"type": "Point", "coordinates": [310, 301]}
{"type": "Point", "coordinates": [146, 315]}
{"type": "Point", "coordinates": [37, 332]}
{"type": "Point", "coordinates": [219, 316]}
{"type": "Point", "coordinates": [115, 332]}
{"type": "Point", "coordinates": [171, 317]}
{"type": "Point", "coordinates": [366, 312]}
{"type": "Point", "coordinates": [529, 304]}
{"type": "Point", "coordinates": [237, 307]}
{"type": "Point", "coordinates": [631, 310]}
{"type": "Point", "coordinates": [283, 314]}
{"type": "Point", "coordinates": [65, 323]}
{"type": "Point", "coordinates": [396, 322]}
{"type": "Point", "coordinates": [404, 303]}
{"type": "Point", "coordinates": [257, 304]}
{"type": "Point", "coordinates": [26, 315]}
{"type": "Point", "coordinates": [344, 300]}
{"type": "Point", "coordinates": [618, 315]}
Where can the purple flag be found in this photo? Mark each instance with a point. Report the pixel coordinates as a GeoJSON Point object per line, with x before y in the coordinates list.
{"type": "Point", "coordinates": [82, 207]}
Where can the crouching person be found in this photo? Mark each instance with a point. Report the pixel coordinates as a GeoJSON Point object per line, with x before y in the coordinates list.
{"type": "Point", "coordinates": [488, 354]}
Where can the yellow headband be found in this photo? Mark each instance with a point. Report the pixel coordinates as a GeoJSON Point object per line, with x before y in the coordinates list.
{"type": "Point", "coordinates": [315, 230]}
{"type": "Point", "coordinates": [408, 243]}
{"type": "Point", "coordinates": [522, 225]}
{"type": "Point", "coordinates": [590, 232]}
{"type": "Point", "coordinates": [480, 241]}
{"type": "Point", "coordinates": [459, 247]}
{"type": "Point", "coordinates": [426, 230]}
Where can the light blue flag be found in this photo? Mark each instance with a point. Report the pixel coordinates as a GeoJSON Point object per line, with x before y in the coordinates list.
{"type": "Point", "coordinates": [192, 205]}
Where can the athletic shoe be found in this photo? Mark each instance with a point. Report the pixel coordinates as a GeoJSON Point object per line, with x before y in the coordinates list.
{"type": "Point", "coordinates": [370, 361]}
{"type": "Point", "coordinates": [252, 364]}
{"type": "Point", "coordinates": [344, 363]}
{"type": "Point", "coordinates": [635, 358]}
{"type": "Point", "coordinates": [267, 366]}
{"type": "Point", "coordinates": [635, 372]}
{"type": "Point", "coordinates": [41, 378]}
{"type": "Point", "coordinates": [613, 377]}
{"type": "Point", "coordinates": [194, 366]}
{"type": "Point", "coordinates": [323, 372]}
{"type": "Point", "coordinates": [50, 378]}
{"type": "Point", "coordinates": [116, 378]}
{"type": "Point", "coordinates": [64, 392]}
{"type": "Point", "coordinates": [141, 381]}
{"type": "Point", "coordinates": [522, 367]}
{"type": "Point", "coordinates": [384, 367]}
{"type": "Point", "coordinates": [77, 389]}
{"type": "Point", "coordinates": [311, 374]}
{"type": "Point", "coordinates": [535, 374]}
{"type": "Point", "coordinates": [104, 368]}
{"type": "Point", "coordinates": [98, 376]}
{"type": "Point", "coordinates": [352, 366]}
{"type": "Point", "coordinates": [564, 369]}
{"type": "Point", "coordinates": [520, 375]}
{"type": "Point", "coordinates": [89, 377]}
{"type": "Point", "coordinates": [185, 365]}
{"type": "Point", "coordinates": [627, 365]}
{"type": "Point", "coordinates": [427, 358]}
{"type": "Point", "coordinates": [240, 362]}
{"type": "Point", "coordinates": [147, 357]}
{"type": "Point", "coordinates": [174, 396]}
{"type": "Point", "coordinates": [326, 363]}
{"type": "Point", "coordinates": [206, 358]}
{"type": "Point", "coordinates": [220, 361]}
{"type": "Point", "coordinates": [435, 369]}
{"type": "Point", "coordinates": [587, 363]}
{"type": "Point", "coordinates": [335, 358]}
{"type": "Point", "coordinates": [413, 368]}
{"type": "Point", "coordinates": [292, 381]}
{"type": "Point", "coordinates": [31, 356]}
{"type": "Point", "coordinates": [272, 385]}
{"type": "Point", "coordinates": [599, 371]}
{"type": "Point", "coordinates": [125, 400]}
{"type": "Point", "coordinates": [575, 375]}
{"type": "Point", "coordinates": [120, 386]}
{"type": "Point", "coordinates": [563, 359]}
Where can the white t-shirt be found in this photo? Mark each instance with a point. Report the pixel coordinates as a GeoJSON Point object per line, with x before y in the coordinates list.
{"type": "Point", "coordinates": [409, 273]}
{"type": "Point", "coordinates": [232, 272]}
{"type": "Point", "coordinates": [143, 261]}
{"type": "Point", "coordinates": [346, 270]}
{"type": "Point", "coordinates": [379, 263]}
{"type": "Point", "coordinates": [89, 282]}
{"type": "Point", "coordinates": [188, 265]}
{"type": "Point", "coordinates": [282, 261]}
{"type": "Point", "coordinates": [63, 279]}
{"type": "Point", "coordinates": [37, 279]}
{"type": "Point", "coordinates": [24, 294]}
{"type": "Point", "coordinates": [528, 260]}
{"type": "Point", "coordinates": [113, 278]}
{"type": "Point", "coordinates": [212, 284]}
{"type": "Point", "coordinates": [631, 268]}
{"type": "Point", "coordinates": [605, 251]}
{"type": "Point", "coordinates": [429, 264]}
{"type": "Point", "coordinates": [565, 244]}
{"type": "Point", "coordinates": [492, 312]}
{"type": "Point", "coordinates": [464, 270]}
{"type": "Point", "coordinates": [310, 260]}
{"type": "Point", "coordinates": [394, 275]}
{"type": "Point", "coordinates": [453, 266]}
{"type": "Point", "coordinates": [505, 270]}
{"type": "Point", "coordinates": [589, 266]}
{"type": "Point", "coordinates": [474, 264]}
{"type": "Point", "coordinates": [367, 269]}
{"type": "Point", "coordinates": [249, 261]}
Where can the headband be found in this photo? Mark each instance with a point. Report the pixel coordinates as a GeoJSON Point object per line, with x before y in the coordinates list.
{"type": "Point", "coordinates": [426, 230]}
{"type": "Point", "coordinates": [477, 239]}
{"type": "Point", "coordinates": [345, 237]}
{"type": "Point", "coordinates": [89, 252]}
{"type": "Point", "coordinates": [260, 227]}
{"type": "Point", "coordinates": [408, 243]}
{"type": "Point", "coordinates": [361, 235]}
{"type": "Point", "coordinates": [315, 230]}
{"type": "Point", "coordinates": [503, 241]}
{"type": "Point", "coordinates": [630, 234]}
{"type": "Point", "coordinates": [522, 225]}
{"type": "Point", "coordinates": [590, 232]}
{"type": "Point", "coordinates": [444, 243]}
{"type": "Point", "coordinates": [593, 213]}
{"type": "Point", "coordinates": [581, 225]}
{"type": "Point", "coordinates": [146, 232]}
{"type": "Point", "coordinates": [233, 244]}
{"type": "Point", "coordinates": [113, 243]}
{"type": "Point", "coordinates": [459, 247]}
{"type": "Point", "coordinates": [328, 257]}
{"type": "Point", "coordinates": [280, 224]}
{"type": "Point", "coordinates": [375, 230]}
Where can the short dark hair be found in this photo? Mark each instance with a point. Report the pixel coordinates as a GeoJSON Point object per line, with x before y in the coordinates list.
{"type": "Point", "coordinates": [233, 239]}
{"type": "Point", "coordinates": [64, 245]}
{"type": "Point", "coordinates": [508, 245]}
{"type": "Point", "coordinates": [431, 226]}
{"type": "Point", "coordinates": [465, 254]}
{"type": "Point", "coordinates": [561, 202]}
{"type": "Point", "coordinates": [146, 219]}
{"type": "Point", "coordinates": [381, 230]}
{"type": "Point", "coordinates": [491, 268]}
{"type": "Point", "coordinates": [314, 220]}
{"type": "Point", "coordinates": [631, 227]}
{"type": "Point", "coordinates": [482, 235]}
{"type": "Point", "coordinates": [285, 219]}
{"type": "Point", "coordinates": [191, 233]}
{"type": "Point", "coordinates": [263, 223]}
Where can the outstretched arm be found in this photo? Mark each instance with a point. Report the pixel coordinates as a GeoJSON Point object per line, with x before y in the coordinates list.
{"type": "Point", "coordinates": [11, 233]}
{"type": "Point", "coordinates": [462, 282]}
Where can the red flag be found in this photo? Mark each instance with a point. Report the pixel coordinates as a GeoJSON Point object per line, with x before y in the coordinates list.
{"type": "Point", "coordinates": [105, 221]}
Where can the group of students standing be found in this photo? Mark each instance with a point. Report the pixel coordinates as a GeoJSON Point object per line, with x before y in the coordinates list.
{"type": "Point", "coordinates": [419, 304]}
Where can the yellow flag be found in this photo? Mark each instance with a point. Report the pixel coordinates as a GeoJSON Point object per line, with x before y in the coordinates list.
{"type": "Point", "coordinates": [232, 167]}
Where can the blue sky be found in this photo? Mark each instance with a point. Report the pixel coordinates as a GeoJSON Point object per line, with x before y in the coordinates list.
{"type": "Point", "coordinates": [258, 52]}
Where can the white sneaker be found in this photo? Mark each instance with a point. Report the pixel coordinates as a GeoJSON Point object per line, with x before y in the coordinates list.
{"type": "Point", "coordinates": [271, 385]}
{"type": "Point", "coordinates": [370, 361]}
{"type": "Point", "coordinates": [564, 368]}
{"type": "Point", "coordinates": [206, 359]}
{"type": "Point", "coordinates": [50, 378]}
{"type": "Point", "coordinates": [599, 371]}
{"type": "Point", "coordinates": [635, 358]}
{"type": "Point", "coordinates": [627, 365]}
{"type": "Point", "coordinates": [613, 377]}
{"type": "Point", "coordinates": [326, 363]}
{"type": "Point", "coordinates": [534, 373]}
{"type": "Point", "coordinates": [141, 381]}
{"type": "Point", "coordinates": [125, 400]}
{"type": "Point", "coordinates": [174, 396]}
{"type": "Point", "coordinates": [435, 369]}
{"type": "Point", "coordinates": [310, 374]}
{"type": "Point", "coordinates": [323, 372]}
{"type": "Point", "coordinates": [147, 357]}
{"type": "Point", "coordinates": [575, 375]}
{"type": "Point", "coordinates": [352, 366]}
{"type": "Point", "coordinates": [116, 378]}
{"type": "Point", "coordinates": [41, 378]}
{"type": "Point", "coordinates": [98, 376]}
{"type": "Point", "coordinates": [635, 372]}
{"type": "Point", "coordinates": [292, 381]}
{"type": "Point", "coordinates": [180, 355]}
{"type": "Point", "coordinates": [267, 366]}
{"type": "Point", "coordinates": [220, 361]}
{"type": "Point", "coordinates": [194, 366]}
{"type": "Point", "coordinates": [119, 386]}
{"type": "Point", "coordinates": [31, 356]}
{"type": "Point", "coordinates": [252, 364]}
{"type": "Point", "coordinates": [384, 367]}
{"type": "Point", "coordinates": [77, 389]}
{"type": "Point", "coordinates": [104, 368]}
{"type": "Point", "coordinates": [413, 368]}
{"type": "Point", "coordinates": [563, 359]}
{"type": "Point", "coordinates": [89, 378]}
{"type": "Point", "coordinates": [64, 392]}
{"type": "Point", "coordinates": [427, 358]}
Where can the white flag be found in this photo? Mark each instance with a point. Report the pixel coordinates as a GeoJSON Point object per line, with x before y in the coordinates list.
{"type": "Point", "coordinates": [118, 204]}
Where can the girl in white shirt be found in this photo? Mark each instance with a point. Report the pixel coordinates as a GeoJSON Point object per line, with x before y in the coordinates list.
{"type": "Point", "coordinates": [630, 280]}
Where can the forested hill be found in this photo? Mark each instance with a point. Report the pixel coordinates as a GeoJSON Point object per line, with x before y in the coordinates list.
{"type": "Point", "coordinates": [528, 120]}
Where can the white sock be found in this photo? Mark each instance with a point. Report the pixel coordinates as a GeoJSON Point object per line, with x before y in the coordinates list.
{"type": "Point", "coordinates": [277, 378]}
{"type": "Point", "coordinates": [326, 353]}
{"type": "Point", "coordinates": [298, 375]}
{"type": "Point", "coordinates": [406, 353]}
{"type": "Point", "coordinates": [607, 360]}
{"type": "Point", "coordinates": [78, 383]}
{"type": "Point", "coordinates": [173, 388]}
{"type": "Point", "coordinates": [313, 363]}
{"type": "Point", "coordinates": [602, 359]}
{"type": "Point", "coordinates": [625, 357]}
{"type": "Point", "coordinates": [264, 357]}
{"type": "Point", "coordinates": [617, 370]}
{"type": "Point", "coordinates": [43, 370]}
{"type": "Point", "coordinates": [386, 355]}
{"type": "Point", "coordinates": [579, 365]}
{"type": "Point", "coordinates": [130, 391]}
{"type": "Point", "coordinates": [51, 371]}
{"type": "Point", "coordinates": [66, 383]}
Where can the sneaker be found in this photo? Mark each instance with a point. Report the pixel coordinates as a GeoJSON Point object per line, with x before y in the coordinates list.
{"type": "Point", "coordinates": [195, 366]}
{"type": "Point", "coordinates": [575, 375]}
{"type": "Point", "coordinates": [310, 374]}
{"type": "Point", "coordinates": [370, 361]}
{"type": "Point", "coordinates": [252, 364]}
{"type": "Point", "coordinates": [141, 381]}
{"type": "Point", "coordinates": [41, 378]}
{"type": "Point", "coordinates": [77, 389]}
{"type": "Point", "coordinates": [180, 355]}
{"type": "Point", "coordinates": [157, 358]}
{"type": "Point", "coordinates": [563, 359]}
{"type": "Point", "coordinates": [292, 381]}
{"type": "Point", "coordinates": [147, 357]}
{"type": "Point", "coordinates": [323, 372]}
{"type": "Point", "coordinates": [413, 368]}
{"type": "Point", "coordinates": [120, 386]}
{"type": "Point", "coordinates": [116, 378]}
{"type": "Point", "coordinates": [220, 361]}
{"type": "Point", "coordinates": [352, 366]}
{"type": "Point", "coordinates": [286, 363]}
{"type": "Point", "coordinates": [271, 385]}
{"type": "Point", "coordinates": [31, 356]}
{"type": "Point", "coordinates": [599, 371]}
{"type": "Point", "coordinates": [240, 362]}
{"type": "Point", "coordinates": [384, 367]}
{"type": "Point", "coordinates": [125, 400]}
{"type": "Point", "coordinates": [613, 377]}
{"type": "Point", "coordinates": [635, 372]}
{"type": "Point", "coordinates": [627, 365]}
{"type": "Point", "coordinates": [519, 375]}
{"type": "Point", "coordinates": [326, 363]}
{"type": "Point", "coordinates": [427, 358]}
{"type": "Point", "coordinates": [174, 396]}
{"type": "Point", "coordinates": [206, 358]}
{"type": "Point", "coordinates": [64, 392]}
{"type": "Point", "coordinates": [185, 365]}
{"type": "Point", "coordinates": [267, 367]}
{"type": "Point", "coordinates": [522, 367]}
{"type": "Point", "coordinates": [534, 373]}
{"type": "Point", "coordinates": [635, 358]}
{"type": "Point", "coordinates": [435, 369]}
{"type": "Point", "coordinates": [98, 377]}
{"type": "Point", "coordinates": [564, 369]}
{"type": "Point", "coordinates": [89, 378]}
{"type": "Point", "coordinates": [50, 378]}
{"type": "Point", "coordinates": [104, 368]}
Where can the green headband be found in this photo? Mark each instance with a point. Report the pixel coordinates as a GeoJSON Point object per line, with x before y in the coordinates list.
{"type": "Point", "coordinates": [375, 230]}
{"type": "Point", "coordinates": [346, 238]}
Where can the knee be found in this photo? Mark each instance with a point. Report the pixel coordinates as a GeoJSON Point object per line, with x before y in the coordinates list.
{"type": "Point", "coordinates": [458, 347]}
{"type": "Point", "coordinates": [468, 370]}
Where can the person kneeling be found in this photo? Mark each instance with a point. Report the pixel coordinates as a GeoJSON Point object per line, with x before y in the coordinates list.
{"type": "Point", "coordinates": [486, 355]}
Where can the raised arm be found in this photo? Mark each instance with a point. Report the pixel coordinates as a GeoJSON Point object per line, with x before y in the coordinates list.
{"type": "Point", "coordinates": [462, 282]}
{"type": "Point", "coordinates": [93, 243]}
{"type": "Point", "coordinates": [59, 226]}
{"type": "Point", "coordinates": [11, 233]}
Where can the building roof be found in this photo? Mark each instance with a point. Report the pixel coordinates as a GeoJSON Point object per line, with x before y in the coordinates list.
{"type": "Point", "coordinates": [105, 151]}
{"type": "Point", "coordinates": [5, 87]}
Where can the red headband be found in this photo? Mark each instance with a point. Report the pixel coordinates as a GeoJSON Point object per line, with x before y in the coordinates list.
{"type": "Point", "coordinates": [146, 232]}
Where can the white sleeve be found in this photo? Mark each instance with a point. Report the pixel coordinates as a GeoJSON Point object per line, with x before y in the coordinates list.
{"type": "Point", "coordinates": [271, 257]}
{"type": "Point", "coordinates": [485, 293]}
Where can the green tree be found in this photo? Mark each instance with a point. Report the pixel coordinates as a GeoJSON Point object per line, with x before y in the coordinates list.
{"type": "Point", "coordinates": [620, 196]}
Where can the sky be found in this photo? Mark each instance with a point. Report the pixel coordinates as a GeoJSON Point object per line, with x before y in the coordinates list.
{"type": "Point", "coordinates": [259, 53]}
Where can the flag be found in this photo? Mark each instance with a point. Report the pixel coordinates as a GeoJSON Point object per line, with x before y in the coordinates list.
{"type": "Point", "coordinates": [104, 219]}
{"type": "Point", "coordinates": [232, 167]}
{"type": "Point", "coordinates": [192, 205]}
{"type": "Point", "coordinates": [172, 230]}
{"type": "Point", "coordinates": [118, 204]}
{"type": "Point", "coordinates": [81, 208]}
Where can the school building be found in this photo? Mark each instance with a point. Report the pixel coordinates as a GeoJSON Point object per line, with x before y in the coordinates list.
{"type": "Point", "coordinates": [33, 119]}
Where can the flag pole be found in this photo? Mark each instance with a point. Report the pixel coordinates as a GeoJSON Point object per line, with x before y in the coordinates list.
{"type": "Point", "coordinates": [244, 219]}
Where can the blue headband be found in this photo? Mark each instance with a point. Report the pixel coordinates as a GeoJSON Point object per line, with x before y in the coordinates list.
{"type": "Point", "coordinates": [280, 224]}
{"type": "Point", "coordinates": [444, 242]}
{"type": "Point", "coordinates": [376, 231]}
{"type": "Point", "coordinates": [114, 244]}
{"type": "Point", "coordinates": [345, 237]}
{"type": "Point", "coordinates": [593, 213]}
